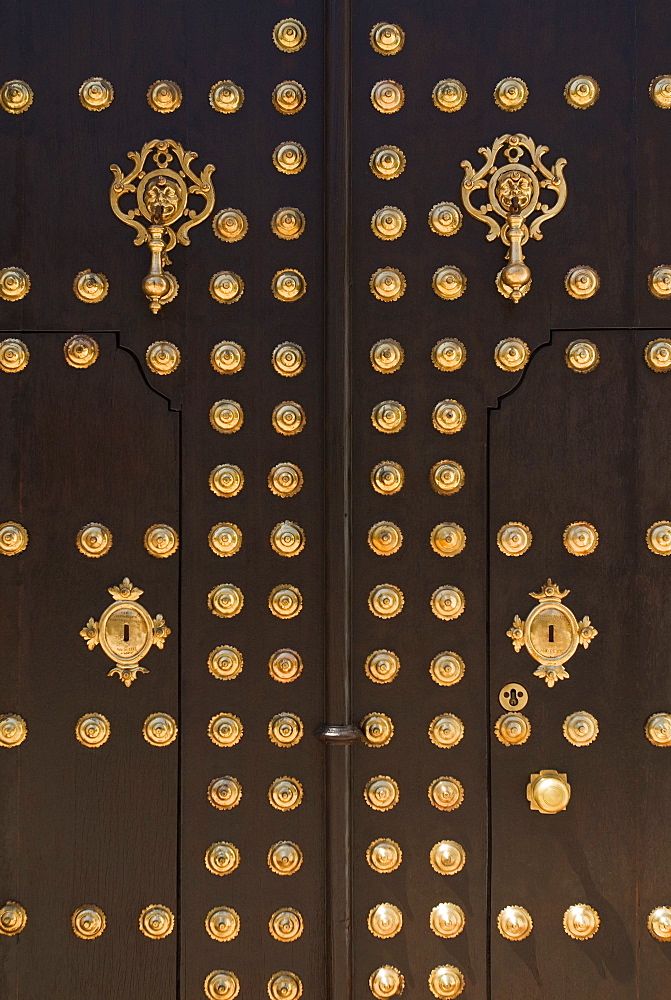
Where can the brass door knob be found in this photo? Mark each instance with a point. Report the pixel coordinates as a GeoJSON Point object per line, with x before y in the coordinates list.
{"type": "Point", "coordinates": [548, 791]}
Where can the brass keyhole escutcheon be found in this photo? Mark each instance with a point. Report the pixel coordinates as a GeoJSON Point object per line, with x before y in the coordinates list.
{"type": "Point", "coordinates": [513, 697]}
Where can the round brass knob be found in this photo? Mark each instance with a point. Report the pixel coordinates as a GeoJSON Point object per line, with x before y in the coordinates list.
{"type": "Point", "coordinates": [88, 922]}
{"type": "Point", "coordinates": [94, 540]}
{"type": "Point", "coordinates": [512, 729]}
{"type": "Point", "coordinates": [448, 355]}
{"type": "Point", "coordinates": [285, 858]}
{"type": "Point", "coordinates": [511, 93]}
{"type": "Point", "coordinates": [385, 920]}
{"type": "Point", "coordinates": [230, 225]}
{"type": "Point", "coordinates": [285, 479]}
{"type": "Point", "coordinates": [386, 982]}
{"type": "Point", "coordinates": [225, 729]}
{"type": "Point", "coordinates": [284, 986]}
{"type": "Point", "coordinates": [226, 96]}
{"type": "Point", "coordinates": [385, 538]}
{"type": "Point", "coordinates": [449, 282]}
{"type": "Point", "coordinates": [285, 730]}
{"type": "Point", "coordinates": [445, 218]}
{"type": "Point", "coordinates": [222, 858]}
{"type": "Point", "coordinates": [288, 285]}
{"type": "Point", "coordinates": [448, 416]}
{"type": "Point", "coordinates": [382, 666]}
{"type": "Point", "coordinates": [659, 923]}
{"type": "Point", "coordinates": [446, 982]}
{"type": "Point", "coordinates": [96, 94]}
{"type": "Point", "coordinates": [221, 985]}
{"type": "Point", "coordinates": [387, 284]}
{"type": "Point", "coordinates": [13, 918]}
{"type": "Point", "coordinates": [449, 95]}
{"type": "Point", "coordinates": [89, 287]}
{"type": "Point", "coordinates": [388, 223]}
{"type": "Point", "coordinates": [388, 416]}
{"type": "Point", "coordinates": [287, 539]}
{"type": "Point", "coordinates": [285, 601]}
{"type": "Point", "coordinates": [658, 729]}
{"type": "Point", "coordinates": [514, 923]}
{"type": "Point", "coordinates": [157, 921]}
{"type": "Point", "coordinates": [387, 162]}
{"type": "Point", "coordinates": [285, 794]}
{"type": "Point", "coordinates": [227, 357]}
{"type": "Point", "coordinates": [581, 921]}
{"type": "Point", "coordinates": [92, 730]}
{"type": "Point", "coordinates": [288, 359]}
{"type": "Point", "coordinates": [660, 91]}
{"type": "Point", "coordinates": [159, 729]}
{"type": "Point", "coordinates": [581, 92]}
{"type": "Point", "coordinates": [548, 792]}
{"type": "Point", "coordinates": [164, 96]}
{"type": "Point", "coordinates": [285, 666]}
{"type": "Point", "coordinates": [288, 418]}
{"type": "Point", "coordinates": [226, 480]}
{"type": "Point", "coordinates": [658, 538]}
{"type": "Point", "coordinates": [582, 356]}
{"type": "Point", "coordinates": [384, 855]}
{"type": "Point", "coordinates": [446, 730]}
{"type": "Point", "coordinates": [226, 287]}
{"type": "Point", "coordinates": [14, 285]}
{"type": "Point", "coordinates": [582, 282]}
{"type": "Point", "coordinates": [580, 538]}
{"type": "Point", "coordinates": [377, 729]}
{"type": "Point", "coordinates": [226, 416]}
{"type": "Point", "coordinates": [447, 477]}
{"type": "Point", "coordinates": [226, 600]}
{"type": "Point", "coordinates": [447, 669]}
{"type": "Point", "coordinates": [289, 97]}
{"type": "Point", "coordinates": [386, 356]}
{"type": "Point", "coordinates": [163, 358]}
{"type": "Point", "coordinates": [659, 281]}
{"type": "Point", "coordinates": [14, 355]}
{"type": "Point", "coordinates": [387, 39]}
{"type": "Point", "coordinates": [386, 600]}
{"type": "Point", "coordinates": [381, 793]}
{"type": "Point", "coordinates": [13, 730]}
{"type": "Point", "coordinates": [289, 157]}
{"type": "Point", "coordinates": [224, 539]}
{"type": "Point", "coordinates": [446, 794]}
{"type": "Point", "coordinates": [224, 793]}
{"type": "Point", "coordinates": [447, 920]}
{"type": "Point", "coordinates": [511, 354]}
{"type": "Point", "coordinates": [286, 925]}
{"type": "Point", "coordinates": [580, 729]}
{"type": "Point", "coordinates": [16, 96]}
{"type": "Point", "coordinates": [514, 538]}
{"type": "Point", "coordinates": [387, 97]}
{"type": "Point", "coordinates": [448, 539]}
{"type": "Point", "coordinates": [657, 354]}
{"type": "Point", "coordinates": [290, 35]}
{"type": "Point", "coordinates": [161, 541]}
{"type": "Point", "coordinates": [222, 923]}
{"type": "Point", "coordinates": [387, 477]}
{"type": "Point", "coordinates": [448, 603]}
{"type": "Point", "coordinates": [288, 223]}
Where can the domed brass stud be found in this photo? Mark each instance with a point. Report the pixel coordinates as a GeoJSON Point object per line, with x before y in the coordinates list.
{"type": "Point", "coordinates": [447, 920]}
{"type": "Point", "coordinates": [580, 729]}
{"type": "Point", "coordinates": [285, 666]}
{"type": "Point", "coordinates": [157, 921]}
{"type": "Point", "coordinates": [446, 730]}
{"type": "Point", "coordinates": [94, 540]}
{"type": "Point", "coordinates": [222, 858]}
{"type": "Point", "coordinates": [381, 793]}
{"type": "Point", "coordinates": [288, 223]}
{"type": "Point", "coordinates": [161, 541]}
{"type": "Point", "coordinates": [581, 921]}
{"type": "Point", "coordinates": [511, 354]}
{"type": "Point", "coordinates": [224, 793]}
{"type": "Point", "coordinates": [658, 538]}
{"type": "Point", "coordinates": [658, 729]}
{"type": "Point", "coordinates": [384, 855]}
{"type": "Point", "coordinates": [289, 157]}
{"type": "Point", "coordinates": [222, 923]}
{"type": "Point", "coordinates": [386, 600]}
{"type": "Point", "coordinates": [659, 281]}
{"type": "Point", "coordinates": [514, 923]}
{"type": "Point", "coordinates": [287, 539]}
{"type": "Point", "coordinates": [96, 93]}
{"type": "Point", "coordinates": [514, 538]}
{"type": "Point", "coordinates": [448, 539]}
{"type": "Point", "coordinates": [14, 355]}
{"type": "Point", "coordinates": [285, 601]}
{"type": "Point", "coordinates": [387, 162]}
{"type": "Point", "coordinates": [230, 225]}
{"type": "Point", "coordinates": [226, 480]}
{"type": "Point", "coordinates": [582, 282]}
{"type": "Point", "coordinates": [81, 351]}
{"type": "Point", "coordinates": [227, 357]}
{"type": "Point", "coordinates": [659, 923]}
{"type": "Point", "coordinates": [447, 477]}
{"type": "Point", "coordinates": [387, 477]}
{"type": "Point", "coordinates": [288, 418]}
{"type": "Point", "coordinates": [286, 925]}
{"type": "Point", "coordinates": [226, 600]}
{"type": "Point", "coordinates": [285, 858]}
{"type": "Point", "coordinates": [285, 730]}
{"type": "Point", "coordinates": [288, 286]}
{"type": "Point", "coordinates": [658, 355]}
{"type": "Point", "coordinates": [386, 982]}
{"type": "Point", "coordinates": [92, 730]}
{"type": "Point", "coordinates": [159, 729]}
{"type": "Point", "coordinates": [386, 356]}
{"type": "Point", "coordinates": [289, 97]}
{"type": "Point", "coordinates": [90, 286]}
{"type": "Point", "coordinates": [226, 97]}
{"type": "Point", "coordinates": [388, 223]}
{"type": "Point", "coordinates": [385, 920]}
{"type": "Point", "coordinates": [285, 794]}
{"type": "Point", "coordinates": [448, 416]}
{"type": "Point", "coordinates": [448, 355]}
{"type": "Point", "coordinates": [13, 730]}
{"type": "Point", "coordinates": [290, 35]}
{"type": "Point", "coordinates": [225, 729]}
{"type": "Point", "coordinates": [580, 538]}
{"type": "Point", "coordinates": [511, 94]}
{"type": "Point", "coordinates": [582, 356]}
{"type": "Point", "coordinates": [446, 794]}
{"type": "Point", "coordinates": [387, 39]}
{"type": "Point", "coordinates": [14, 284]}
{"type": "Point", "coordinates": [449, 282]}
{"type": "Point", "coordinates": [164, 96]}
{"type": "Point", "coordinates": [446, 981]}
{"type": "Point", "coordinates": [581, 92]}
{"type": "Point", "coordinates": [221, 985]}
{"type": "Point", "coordinates": [13, 538]}
{"type": "Point", "coordinates": [226, 287]}
{"type": "Point", "coordinates": [387, 284]}
{"type": "Point", "coordinates": [226, 416]}
{"type": "Point", "coordinates": [512, 729]}
{"type": "Point", "coordinates": [660, 91]}
{"type": "Point", "coordinates": [284, 986]}
{"type": "Point", "coordinates": [288, 359]}
{"type": "Point", "coordinates": [88, 922]}
{"type": "Point", "coordinates": [385, 538]}
{"type": "Point", "coordinates": [447, 857]}
{"type": "Point", "coordinates": [448, 603]}
{"type": "Point", "coordinates": [447, 669]}
{"type": "Point", "coordinates": [387, 97]}
{"type": "Point", "coordinates": [445, 218]}
{"type": "Point", "coordinates": [382, 666]}
{"type": "Point", "coordinates": [548, 792]}
{"type": "Point", "coordinates": [449, 95]}
{"type": "Point", "coordinates": [388, 417]}
{"type": "Point", "coordinates": [285, 479]}
{"type": "Point", "coordinates": [13, 918]}
{"type": "Point", "coordinates": [16, 96]}
{"type": "Point", "coordinates": [224, 539]}
{"type": "Point", "coordinates": [377, 729]}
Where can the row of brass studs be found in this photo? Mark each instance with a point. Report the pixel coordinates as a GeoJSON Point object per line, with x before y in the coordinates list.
{"type": "Point", "coordinates": [580, 538]}
{"type": "Point", "coordinates": [226, 663]}
{"type": "Point", "coordinates": [579, 728]}
{"type": "Point", "coordinates": [580, 921]}
{"type": "Point", "coordinates": [445, 982]}
{"type": "Point", "coordinates": [444, 731]}
{"type": "Point", "coordinates": [227, 600]}
{"type": "Point", "coordinates": [389, 416]}
{"type": "Point", "coordinates": [223, 924]}
{"type": "Point", "coordinates": [389, 284]}
{"type": "Point", "coordinates": [227, 417]}
{"type": "Point", "coordinates": [93, 730]}
{"type": "Point", "coordinates": [382, 667]}
{"type": "Point", "coordinates": [386, 600]}
{"type": "Point", "coordinates": [156, 921]}
{"type": "Point", "coordinates": [510, 94]}
{"type": "Point", "coordinates": [284, 729]}
{"type": "Point", "coordinates": [228, 358]}
{"type": "Point", "coordinates": [225, 985]}
{"type": "Point", "coordinates": [446, 793]}
{"type": "Point", "coordinates": [286, 539]}
{"type": "Point", "coordinates": [231, 225]}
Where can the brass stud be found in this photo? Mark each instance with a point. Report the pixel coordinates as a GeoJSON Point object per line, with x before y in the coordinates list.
{"type": "Point", "coordinates": [285, 730]}
{"type": "Point", "coordinates": [447, 920]}
{"type": "Point", "coordinates": [227, 357]}
{"type": "Point", "coordinates": [226, 416]}
{"type": "Point", "coordinates": [446, 981]}
{"type": "Point", "coordinates": [447, 669]}
{"type": "Point", "coordinates": [221, 985]}
{"type": "Point", "coordinates": [159, 729]}
{"type": "Point", "coordinates": [382, 666]}
{"type": "Point", "coordinates": [446, 794]}
{"type": "Point", "coordinates": [387, 162]}
{"type": "Point", "coordinates": [285, 858]}
{"type": "Point", "coordinates": [16, 96]}
{"type": "Point", "coordinates": [387, 284]}
{"type": "Point", "coordinates": [285, 793]}
{"type": "Point", "coordinates": [96, 93]}
{"type": "Point", "coordinates": [658, 538]}
{"type": "Point", "coordinates": [514, 538]}
{"type": "Point", "coordinates": [285, 666]}
{"type": "Point", "coordinates": [582, 356]}
{"type": "Point", "coordinates": [447, 857]}
{"type": "Point", "coordinates": [387, 39]}
{"type": "Point", "coordinates": [289, 157]}
{"type": "Point", "coordinates": [449, 282]}
{"type": "Point", "coordinates": [222, 923]}
{"type": "Point", "coordinates": [13, 730]}
{"type": "Point", "coordinates": [659, 923]}
{"type": "Point", "coordinates": [512, 729]}
{"type": "Point", "coordinates": [384, 855]}
{"type": "Point", "coordinates": [287, 539]}
{"type": "Point", "coordinates": [92, 730]}
{"type": "Point", "coordinates": [580, 538]}
{"type": "Point", "coordinates": [222, 858]}
{"type": "Point", "coordinates": [580, 729]}
{"type": "Point", "coordinates": [388, 223]}
{"type": "Point", "coordinates": [548, 792]}
{"type": "Point", "coordinates": [386, 600]}
{"type": "Point", "coordinates": [284, 986]}
{"type": "Point", "coordinates": [581, 921]}
{"type": "Point", "coordinates": [226, 480]}
{"type": "Point", "coordinates": [14, 284]}
{"type": "Point", "coordinates": [448, 539]}
{"type": "Point", "coordinates": [226, 287]}
{"type": "Point", "coordinates": [447, 477]}
{"type": "Point", "coordinates": [288, 418]}
{"type": "Point", "coordinates": [224, 793]}
{"type": "Point", "coordinates": [230, 225]}
{"type": "Point", "coordinates": [377, 729]}
{"type": "Point", "coordinates": [226, 97]}
{"type": "Point", "coordinates": [164, 96]}
{"type": "Point", "coordinates": [288, 285]}
{"type": "Point", "coordinates": [289, 97]}
{"type": "Point", "coordinates": [386, 982]}
{"type": "Point", "coordinates": [446, 731]}
{"type": "Point", "coordinates": [157, 921]}
{"type": "Point", "coordinates": [286, 925]}
{"type": "Point", "coordinates": [445, 218]}
{"type": "Point", "coordinates": [224, 539]}
{"type": "Point", "coordinates": [88, 922]}
{"type": "Point", "coordinates": [388, 417]}
{"type": "Point", "coordinates": [582, 282]}
{"type": "Point", "coordinates": [161, 541]}
{"type": "Point", "coordinates": [514, 923]}
{"type": "Point", "coordinates": [225, 662]}
{"type": "Point", "coordinates": [94, 540]}
{"type": "Point", "coordinates": [90, 287]}
{"type": "Point", "coordinates": [511, 354]}
{"type": "Point", "coordinates": [288, 359]}
{"type": "Point", "coordinates": [387, 97]}
{"type": "Point", "coordinates": [290, 35]}
{"type": "Point", "coordinates": [288, 223]}
{"type": "Point", "coordinates": [660, 91]}
{"type": "Point", "coordinates": [511, 94]}
{"type": "Point", "coordinates": [659, 281]}
{"type": "Point", "coordinates": [13, 918]}
{"type": "Point", "coordinates": [13, 538]}
{"type": "Point", "coordinates": [81, 351]}
{"type": "Point", "coordinates": [285, 479]}
{"type": "Point", "coordinates": [448, 355]}
{"type": "Point", "coordinates": [387, 477]}
{"type": "Point", "coordinates": [381, 793]}
{"type": "Point", "coordinates": [657, 355]}
{"type": "Point", "coordinates": [385, 538]}
{"type": "Point", "coordinates": [449, 95]}
{"type": "Point", "coordinates": [285, 601]}
{"type": "Point", "coordinates": [448, 416]}
{"type": "Point", "coordinates": [386, 356]}
{"type": "Point", "coordinates": [581, 92]}
{"type": "Point", "coordinates": [14, 355]}
{"type": "Point", "coordinates": [385, 920]}
{"type": "Point", "coordinates": [226, 600]}
{"type": "Point", "coordinates": [225, 729]}
{"type": "Point", "coordinates": [658, 729]}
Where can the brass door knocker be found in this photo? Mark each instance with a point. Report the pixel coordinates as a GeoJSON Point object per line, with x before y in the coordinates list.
{"type": "Point", "coordinates": [162, 199]}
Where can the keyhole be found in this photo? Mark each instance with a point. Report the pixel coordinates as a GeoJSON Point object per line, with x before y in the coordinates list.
{"type": "Point", "coordinates": [551, 633]}
{"type": "Point", "coordinates": [126, 633]}
{"type": "Point", "coordinates": [513, 700]}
